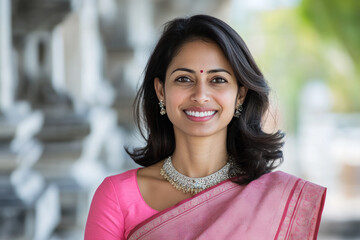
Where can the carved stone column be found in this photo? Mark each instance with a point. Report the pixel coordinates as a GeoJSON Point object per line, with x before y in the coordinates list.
{"type": "Point", "coordinates": [6, 78]}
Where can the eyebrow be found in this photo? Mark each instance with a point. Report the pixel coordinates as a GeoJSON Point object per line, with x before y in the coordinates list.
{"type": "Point", "coordinates": [208, 72]}
{"type": "Point", "coordinates": [218, 70]}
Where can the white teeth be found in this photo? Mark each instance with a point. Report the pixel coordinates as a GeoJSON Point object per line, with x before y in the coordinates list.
{"type": "Point", "coordinates": [200, 114]}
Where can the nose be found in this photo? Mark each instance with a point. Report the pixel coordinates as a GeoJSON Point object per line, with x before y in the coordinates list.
{"type": "Point", "coordinates": [200, 93]}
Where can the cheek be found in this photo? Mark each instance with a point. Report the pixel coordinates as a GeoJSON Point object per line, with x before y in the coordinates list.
{"type": "Point", "coordinates": [227, 99]}
{"type": "Point", "coordinates": [174, 98]}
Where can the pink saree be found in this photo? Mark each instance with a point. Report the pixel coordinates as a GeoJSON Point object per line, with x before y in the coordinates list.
{"type": "Point", "coordinates": [275, 206]}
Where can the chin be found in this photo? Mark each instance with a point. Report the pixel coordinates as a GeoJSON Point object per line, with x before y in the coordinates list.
{"type": "Point", "coordinates": [198, 132]}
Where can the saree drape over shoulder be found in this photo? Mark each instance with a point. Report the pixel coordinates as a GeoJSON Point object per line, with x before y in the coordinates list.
{"type": "Point", "coordinates": [275, 206]}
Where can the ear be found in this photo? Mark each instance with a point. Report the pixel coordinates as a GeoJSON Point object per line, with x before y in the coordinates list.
{"type": "Point", "coordinates": [159, 89]}
{"type": "Point", "coordinates": [241, 95]}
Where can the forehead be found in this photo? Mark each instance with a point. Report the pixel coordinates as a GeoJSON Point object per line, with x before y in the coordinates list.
{"type": "Point", "coordinates": [200, 54]}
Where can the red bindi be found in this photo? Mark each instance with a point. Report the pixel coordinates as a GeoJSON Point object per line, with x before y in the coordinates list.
{"type": "Point", "coordinates": [201, 71]}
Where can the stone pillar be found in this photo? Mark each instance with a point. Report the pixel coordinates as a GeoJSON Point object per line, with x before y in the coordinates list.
{"type": "Point", "coordinates": [58, 60]}
{"type": "Point", "coordinates": [6, 81]}
{"type": "Point", "coordinates": [67, 33]}
{"type": "Point", "coordinates": [82, 57]}
{"type": "Point", "coordinates": [91, 52]}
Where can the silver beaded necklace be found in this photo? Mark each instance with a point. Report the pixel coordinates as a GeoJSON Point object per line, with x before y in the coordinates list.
{"type": "Point", "coordinates": [192, 185]}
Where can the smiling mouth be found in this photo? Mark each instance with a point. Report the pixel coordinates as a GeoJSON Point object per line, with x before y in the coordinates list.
{"type": "Point", "coordinates": [200, 114]}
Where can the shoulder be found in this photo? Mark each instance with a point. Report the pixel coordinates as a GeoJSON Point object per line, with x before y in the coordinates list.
{"type": "Point", "coordinates": [112, 186]}
{"type": "Point", "coordinates": [304, 204]}
{"type": "Point", "coordinates": [274, 179]}
{"type": "Point", "coordinates": [106, 218]}
{"type": "Point", "coordinates": [124, 186]}
{"type": "Point", "coordinates": [280, 175]}
{"type": "Point", "coordinates": [118, 181]}
{"type": "Point", "coordinates": [279, 179]}
{"type": "Point", "coordinates": [123, 178]}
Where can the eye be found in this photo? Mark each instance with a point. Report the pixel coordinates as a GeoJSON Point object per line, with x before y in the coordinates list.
{"type": "Point", "coordinates": [218, 80]}
{"type": "Point", "coordinates": [183, 79]}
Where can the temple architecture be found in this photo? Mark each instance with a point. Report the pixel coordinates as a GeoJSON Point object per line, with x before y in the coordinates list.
{"type": "Point", "coordinates": [69, 70]}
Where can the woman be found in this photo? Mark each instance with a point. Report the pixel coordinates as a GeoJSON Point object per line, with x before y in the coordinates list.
{"type": "Point", "coordinates": [207, 161]}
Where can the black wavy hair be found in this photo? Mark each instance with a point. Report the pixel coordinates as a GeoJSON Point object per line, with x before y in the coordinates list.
{"type": "Point", "coordinates": [253, 151]}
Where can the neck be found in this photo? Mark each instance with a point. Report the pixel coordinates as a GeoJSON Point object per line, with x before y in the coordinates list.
{"type": "Point", "coordinates": [199, 156]}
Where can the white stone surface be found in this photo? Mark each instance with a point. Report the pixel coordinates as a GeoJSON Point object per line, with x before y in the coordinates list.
{"type": "Point", "coordinates": [7, 89]}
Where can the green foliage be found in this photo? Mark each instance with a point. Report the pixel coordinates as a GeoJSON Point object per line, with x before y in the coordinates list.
{"type": "Point", "coordinates": [337, 23]}
{"type": "Point", "coordinates": [292, 56]}
{"type": "Point", "coordinates": [336, 19]}
{"type": "Point", "coordinates": [296, 45]}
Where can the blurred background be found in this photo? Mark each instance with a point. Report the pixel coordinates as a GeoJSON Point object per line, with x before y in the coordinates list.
{"type": "Point", "coordinates": [69, 70]}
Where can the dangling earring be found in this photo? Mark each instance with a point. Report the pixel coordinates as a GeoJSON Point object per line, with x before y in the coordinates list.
{"type": "Point", "coordinates": [162, 107]}
{"type": "Point", "coordinates": [238, 111]}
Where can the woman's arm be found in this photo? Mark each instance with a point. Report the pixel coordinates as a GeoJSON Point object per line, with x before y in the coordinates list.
{"type": "Point", "coordinates": [105, 219]}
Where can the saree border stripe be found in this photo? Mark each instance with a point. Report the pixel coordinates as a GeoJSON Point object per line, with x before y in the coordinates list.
{"type": "Point", "coordinates": [302, 216]}
{"type": "Point", "coordinates": [285, 216]}
{"type": "Point", "coordinates": [320, 213]}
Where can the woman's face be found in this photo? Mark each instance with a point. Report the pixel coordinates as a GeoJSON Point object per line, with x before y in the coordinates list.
{"type": "Point", "coordinates": [200, 91]}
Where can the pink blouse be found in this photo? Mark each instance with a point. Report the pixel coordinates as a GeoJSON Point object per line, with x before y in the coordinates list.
{"type": "Point", "coordinates": [117, 207]}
